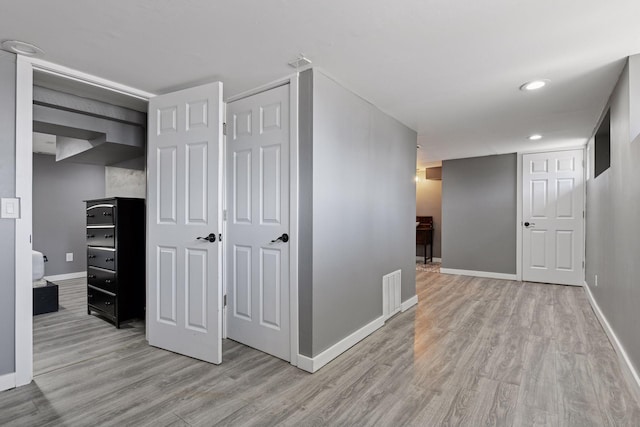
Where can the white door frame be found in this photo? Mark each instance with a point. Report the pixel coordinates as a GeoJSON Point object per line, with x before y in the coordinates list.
{"type": "Point", "coordinates": [294, 177]}
{"type": "Point", "coordinates": [519, 199]}
{"type": "Point", "coordinates": [25, 67]}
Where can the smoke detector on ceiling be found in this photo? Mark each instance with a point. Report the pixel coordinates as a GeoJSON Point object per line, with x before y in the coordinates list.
{"type": "Point", "coordinates": [22, 48]}
{"type": "Point", "coordinates": [300, 62]}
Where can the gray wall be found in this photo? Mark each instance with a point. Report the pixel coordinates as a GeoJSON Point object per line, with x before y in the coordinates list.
{"type": "Point", "coordinates": [59, 216]}
{"type": "Point", "coordinates": [429, 203]}
{"type": "Point", "coordinates": [124, 182]}
{"type": "Point", "coordinates": [479, 213]}
{"type": "Point", "coordinates": [364, 209]}
{"type": "Point", "coordinates": [305, 212]}
{"type": "Point", "coordinates": [613, 230]}
{"type": "Point", "coordinates": [7, 226]}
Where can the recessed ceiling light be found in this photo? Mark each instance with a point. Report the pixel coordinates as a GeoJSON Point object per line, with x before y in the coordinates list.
{"type": "Point", "coordinates": [534, 85]}
{"type": "Point", "coordinates": [535, 137]}
{"type": "Point", "coordinates": [22, 48]}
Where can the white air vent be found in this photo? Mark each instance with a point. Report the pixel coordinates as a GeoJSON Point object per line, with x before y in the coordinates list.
{"type": "Point", "coordinates": [391, 286]}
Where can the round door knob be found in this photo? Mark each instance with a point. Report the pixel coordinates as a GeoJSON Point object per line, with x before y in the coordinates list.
{"type": "Point", "coordinates": [526, 224]}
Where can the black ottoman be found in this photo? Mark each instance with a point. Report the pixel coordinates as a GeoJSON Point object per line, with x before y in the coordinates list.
{"type": "Point", "coordinates": [45, 299]}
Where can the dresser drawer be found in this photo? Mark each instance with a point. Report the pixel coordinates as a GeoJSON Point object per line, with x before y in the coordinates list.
{"type": "Point", "coordinates": [103, 279]}
{"type": "Point", "coordinates": [101, 301]}
{"type": "Point", "coordinates": [101, 257]}
{"type": "Point", "coordinates": [101, 214]}
{"type": "Point", "coordinates": [101, 236]}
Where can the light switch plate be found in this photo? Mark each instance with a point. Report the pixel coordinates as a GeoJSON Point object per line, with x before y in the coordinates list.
{"type": "Point", "coordinates": [10, 208]}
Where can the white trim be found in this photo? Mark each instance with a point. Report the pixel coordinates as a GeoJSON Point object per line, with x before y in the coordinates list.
{"type": "Point", "coordinates": [24, 189]}
{"type": "Point", "coordinates": [313, 364]}
{"type": "Point", "coordinates": [223, 264]}
{"type": "Point", "coordinates": [7, 381]}
{"type": "Point", "coordinates": [435, 259]}
{"type": "Point", "coordinates": [305, 363]}
{"type": "Point", "coordinates": [294, 177]}
{"type": "Point", "coordinates": [519, 202]}
{"type": "Point", "coordinates": [406, 305]}
{"type": "Point", "coordinates": [487, 274]}
{"type": "Point", "coordinates": [89, 79]}
{"type": "Point", "coordinates": [67, 276]}
{"type": "Point", "coordinates": [627, 367]}
{"type": "Point", "coordinates": [23, 247]}
{"type": "Point", "coordinates": [553, 150]}
{"type": "Point", "coordinates": [262, 88]}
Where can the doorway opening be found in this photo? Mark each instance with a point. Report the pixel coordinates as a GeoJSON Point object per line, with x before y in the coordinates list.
{"type": "Point", "coordinates": [88, 143]}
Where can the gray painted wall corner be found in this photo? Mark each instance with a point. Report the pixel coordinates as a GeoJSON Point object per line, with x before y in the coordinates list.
{"type": "Point", "coordinates": [305, 222]}
{"type": "Point", "coordinates": [613, 209]}
{"type": "Point", "coordinates": [363, 210]}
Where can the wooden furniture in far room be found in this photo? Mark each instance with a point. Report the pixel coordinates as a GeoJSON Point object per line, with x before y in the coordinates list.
{"type": "Point", "coordinates": [424, 235]}
{"type": "Point", "coordinates": [116, 258]}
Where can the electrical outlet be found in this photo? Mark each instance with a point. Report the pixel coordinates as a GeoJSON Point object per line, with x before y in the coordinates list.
{"type": "Point", "coordinates": [596, 281]}
{"type": "Point", "coordinates": [69, 256]}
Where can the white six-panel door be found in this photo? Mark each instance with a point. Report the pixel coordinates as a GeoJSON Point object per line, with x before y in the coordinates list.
{"type": "Point", "coordinates": [184, 202]}
{"type": "Point", "coordinates": [257, 168]}
{"type": "Point", "coordinates": [553, 217]}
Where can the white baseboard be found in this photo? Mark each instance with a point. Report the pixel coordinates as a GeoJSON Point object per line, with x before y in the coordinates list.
{"type": "Point", "coordinates": [76, 275]}
{"type": "Point", "coordinates": [7, 381]}
{"type": "Point", "coordinates": [627, 367]}
{"type": "Point", "coordinates": [487, 274]}
{"type": "Point", "coordinates": [406, 305]}
{"type": "Point", "coordinates": [313, 364]}
{"type": "Point", "coordinates": [421, 258]}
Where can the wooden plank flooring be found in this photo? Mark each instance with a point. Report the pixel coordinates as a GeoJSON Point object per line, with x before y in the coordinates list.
{"type": "Point", "coordinates": [473, 352]}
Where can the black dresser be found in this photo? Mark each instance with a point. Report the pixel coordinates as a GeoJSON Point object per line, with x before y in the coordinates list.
{"type": "Point", "coordinates": [116, 258]}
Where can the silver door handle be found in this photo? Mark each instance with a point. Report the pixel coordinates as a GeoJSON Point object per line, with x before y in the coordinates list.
{"type": "Point", "coordinates": [527, 224]}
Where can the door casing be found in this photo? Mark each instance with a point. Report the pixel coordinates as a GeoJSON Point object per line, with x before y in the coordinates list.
{"type": "Point", "coordinates": [292, 81]}
{"type": "Point", "coordinates": [25, 67]}
{"type": "Point", "coordinates": [519, 198]}
{"type": "Point", "coordinates": [24, 226]}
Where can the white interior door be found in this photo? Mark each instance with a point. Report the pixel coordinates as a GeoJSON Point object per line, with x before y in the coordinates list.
{"type": "Point", "coordinates": [184, 299]}
{"type": "Point", "coordinates": [553, 217]}
{"type": "Point", "coordinates": [258, 214]}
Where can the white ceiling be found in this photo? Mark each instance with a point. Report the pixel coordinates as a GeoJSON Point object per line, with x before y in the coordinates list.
{"type": "Point", "coordinates": [450, 70]}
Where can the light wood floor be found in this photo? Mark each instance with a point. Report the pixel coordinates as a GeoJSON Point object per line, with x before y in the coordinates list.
{"type": "Point", "coordinates": [473, 352]}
